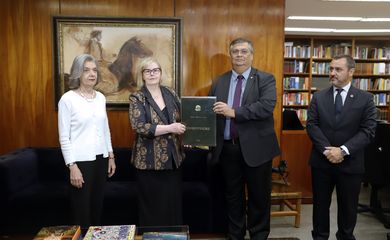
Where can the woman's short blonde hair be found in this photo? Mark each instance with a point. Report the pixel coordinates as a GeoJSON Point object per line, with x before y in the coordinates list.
{"type": "Point", "coordinates": [142, 65]}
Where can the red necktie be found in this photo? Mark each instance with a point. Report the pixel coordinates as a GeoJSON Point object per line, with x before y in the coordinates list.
{"type": "Point", "coordinates": [236, 104]}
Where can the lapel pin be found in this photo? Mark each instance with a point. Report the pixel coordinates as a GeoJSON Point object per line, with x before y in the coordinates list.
{"type": "Point", "coordinates": [351, 95]}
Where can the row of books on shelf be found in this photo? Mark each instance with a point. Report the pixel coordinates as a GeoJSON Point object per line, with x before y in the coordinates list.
{"type": "Point", "coordinates": [371, 84]}
{"type": "Point", "coordinates": [301, 98]}
{"type": "Point", "coordinates": [320, 67]}
{"type": "Point", "coordinates": [117, 232]}
{"type": "Point", "coordinates": [371, 53]}
{"type": "Point", "coordinates": [297, 51]}
{"type": "Point", "coordinates": [381, 99]}
{"type": "Point", "coordinates": [296, 83]}
{"type": "Point", "coordinates": [382, 114]}
{"type": "Point", "coordinates": [301, 113]}
{"type": "Point", "coordinates": [329, 51]}
{"type": "Point", "coordinates": [295, 66]}
{"type": "Point", "coordinates": [372, 68]}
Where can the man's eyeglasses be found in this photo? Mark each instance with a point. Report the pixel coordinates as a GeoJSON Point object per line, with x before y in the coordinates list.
{"type": "Point", "coordinates": [150, 71]}
{"type": "Point", "coordinates": [242, 51]}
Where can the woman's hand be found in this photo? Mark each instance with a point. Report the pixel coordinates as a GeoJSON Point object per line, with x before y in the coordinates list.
{"type": "Point", "coordinates": [111, 164]}
{"type": "Point", "coordinates": [177, 128]}
{"type": "Point", "coordinates": [76, 177]}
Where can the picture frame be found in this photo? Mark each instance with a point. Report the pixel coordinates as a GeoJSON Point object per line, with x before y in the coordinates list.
{"type": "Point", "coordinates": [118, 44]}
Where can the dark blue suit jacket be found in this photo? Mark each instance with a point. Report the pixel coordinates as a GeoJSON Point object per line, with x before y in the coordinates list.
{"type": "Point", "coordinates": [254, 118]}
{"type": "Point", "coordinates": [355, 128]}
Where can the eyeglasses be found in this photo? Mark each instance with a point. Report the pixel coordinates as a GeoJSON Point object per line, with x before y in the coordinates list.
{"type": "Point", "coordinates": [150, 71]}
{"type": "Point", "coordinates": [244, 51]}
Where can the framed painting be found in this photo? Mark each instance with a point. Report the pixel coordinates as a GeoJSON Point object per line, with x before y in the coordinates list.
{"type": "Point", "coordinates": [118, 45]}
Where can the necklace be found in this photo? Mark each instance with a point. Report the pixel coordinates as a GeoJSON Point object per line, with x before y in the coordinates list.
{"type": "Point", "coordinates": [90, 98]}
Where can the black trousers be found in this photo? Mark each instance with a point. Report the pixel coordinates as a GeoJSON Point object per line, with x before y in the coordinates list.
{"type": "Point", "coordinates": [159, 197]}
{"type": "Point", "coordinates": [87, 202]}
{"type": "Point", "coordinates": [347, 190]}
{"type": "Point", "coordinates": [258, 181]}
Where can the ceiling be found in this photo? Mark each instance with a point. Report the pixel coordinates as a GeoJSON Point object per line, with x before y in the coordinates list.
{"type": "Point", "coordinates": [337, 9]}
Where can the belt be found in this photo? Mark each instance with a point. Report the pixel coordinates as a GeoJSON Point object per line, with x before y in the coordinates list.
{"type": "Point", "coordinates": [233, 141]}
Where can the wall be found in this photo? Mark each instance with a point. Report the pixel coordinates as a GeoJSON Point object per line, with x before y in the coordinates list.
{"type": "Point", "coordinates": [27, 113]}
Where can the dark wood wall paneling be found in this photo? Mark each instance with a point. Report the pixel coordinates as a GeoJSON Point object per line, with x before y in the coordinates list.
{"type": "Point", "coordinates": [28, 116]}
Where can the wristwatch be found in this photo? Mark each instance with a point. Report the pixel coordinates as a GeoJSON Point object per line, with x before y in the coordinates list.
{"type": "Point", "coordinates": [70, 164]}
{"type": "Point", "coordinates": [343, 152]}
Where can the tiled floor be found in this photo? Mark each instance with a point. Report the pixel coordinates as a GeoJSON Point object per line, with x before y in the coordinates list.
{"type": "Point", "coordinates": [368, 227]}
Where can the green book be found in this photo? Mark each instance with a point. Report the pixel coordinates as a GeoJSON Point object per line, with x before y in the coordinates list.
{"type": "Point", "coordinates": [200, 120]}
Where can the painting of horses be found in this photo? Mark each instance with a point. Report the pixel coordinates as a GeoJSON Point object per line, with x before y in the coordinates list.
{"type": "Point", "coordinates": [118, 45]}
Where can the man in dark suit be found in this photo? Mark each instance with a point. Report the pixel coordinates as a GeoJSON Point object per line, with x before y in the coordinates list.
{"type": "Point", "coordinates": [341, 122]}
{"type": "Point", "coordinates": [246, 141]}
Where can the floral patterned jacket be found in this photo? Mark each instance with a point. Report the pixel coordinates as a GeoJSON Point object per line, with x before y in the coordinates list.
{"type": "Point", "coordinates": [152, 152]}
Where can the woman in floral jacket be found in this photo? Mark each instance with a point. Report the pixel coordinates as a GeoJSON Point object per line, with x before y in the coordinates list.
{"type": "Point", "coordinates": [157, 151]}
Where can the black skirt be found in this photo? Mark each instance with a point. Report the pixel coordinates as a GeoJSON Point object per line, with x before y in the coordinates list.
{"type": "Point", "coordinates": [159, 197]}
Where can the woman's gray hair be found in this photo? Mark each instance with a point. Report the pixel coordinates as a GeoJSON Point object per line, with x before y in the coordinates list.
{"type": "Point", "coordinates": [77, 70]}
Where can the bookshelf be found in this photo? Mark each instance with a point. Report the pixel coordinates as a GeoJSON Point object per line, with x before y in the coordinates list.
{"type": "Point", "coordinates": [306, 68]}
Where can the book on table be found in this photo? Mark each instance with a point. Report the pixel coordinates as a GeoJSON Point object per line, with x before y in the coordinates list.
{"type": "Point", "coordinates": [115, 232]}
{"type": "Point", "coordinates": [59, 233]}
{"type": "Point", "coordinates": [164, 236]}
{"type": "Point", "coordinates": [179, 232]}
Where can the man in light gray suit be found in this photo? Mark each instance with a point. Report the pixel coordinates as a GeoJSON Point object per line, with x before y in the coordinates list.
{"type": "Point", "coordinates": [246, 141]}
{"type": "Point", "coordinates": [341, 123]}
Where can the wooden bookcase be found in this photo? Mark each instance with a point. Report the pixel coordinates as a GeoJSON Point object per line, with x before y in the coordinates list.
{"type": "Point", "coordinates": [306, 68]}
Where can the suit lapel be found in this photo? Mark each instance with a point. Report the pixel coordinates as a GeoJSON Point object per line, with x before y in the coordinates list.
{"type": "Point", "coordinates": [349, 100]}
{"type": "Point", "coordinates": [329, 103]}
{"type": "Point", "coordinates": [249, 85]}
{"type": "Point", "coordinates": [154, 105]}
{"type": "Point", "coordinates": [225, 86]}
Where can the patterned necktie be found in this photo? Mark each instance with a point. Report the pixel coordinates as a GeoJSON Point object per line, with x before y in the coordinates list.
{"type": "Point", "coordinates": [236, 104]}
{"type": "Point", "coordinates": [338, 103]}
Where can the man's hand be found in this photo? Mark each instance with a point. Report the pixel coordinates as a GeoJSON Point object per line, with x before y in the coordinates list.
{"type": "Point", "coordinates": [334, 154]}
{"type": "Point", "coordinates": [224, 109]}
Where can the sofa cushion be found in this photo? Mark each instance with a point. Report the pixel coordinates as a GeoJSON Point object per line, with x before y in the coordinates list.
{"type": "Point", "coordinates": [124, 169]}
{"type": "Point", "coordinates": [18, 169]}
{"type": "Point", "coordinates": [197, 203]}
{"type": "Point", "coordinates": [41, 204]}
{"type": "Point", "coordinates": [52, 165]}
{"type": "Point", "coordinates": [120, 203]}
{"type": "Point", "coordinates": [195, 165]}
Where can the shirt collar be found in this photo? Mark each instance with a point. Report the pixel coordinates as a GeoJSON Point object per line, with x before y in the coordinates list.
{"type": "Point", "coordinates": [345, 88]}
{"type": "Point", "coordinates": [245, 74]}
